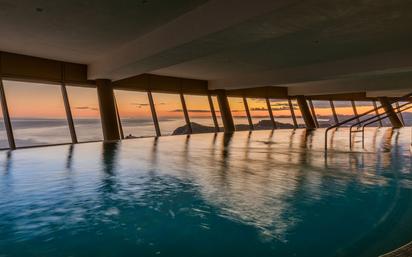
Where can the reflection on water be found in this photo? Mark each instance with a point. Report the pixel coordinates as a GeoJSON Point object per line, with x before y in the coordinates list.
{"type": "Point", "coordinates": [244, 194]}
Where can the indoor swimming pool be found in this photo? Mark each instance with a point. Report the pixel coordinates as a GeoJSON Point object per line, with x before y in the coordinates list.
{"type": "Point", "coordinates": [261, 193]}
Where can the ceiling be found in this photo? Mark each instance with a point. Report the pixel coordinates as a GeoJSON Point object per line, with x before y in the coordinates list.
{"type": "Point", "coordinates": [81, 30]}
{"type": "Point", "coordinates": [308, 46]}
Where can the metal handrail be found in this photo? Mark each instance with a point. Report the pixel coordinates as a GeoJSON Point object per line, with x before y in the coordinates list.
{"type": "Point", "coordinates": [371, 118]}
{"type": "Point", "coordinates": [381, 118]}
{"type": "Point", "coordinates": [360, 115]}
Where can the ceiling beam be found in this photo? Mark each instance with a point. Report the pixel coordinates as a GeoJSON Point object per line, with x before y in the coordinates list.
{"type": "Point", "coordinates": [166, 84]}
{"type": "Point", "coordinates": [383, 83]}
{"type": "Point", "coordinates": [342, 97]}
{"type": "Point", "coordinates": [29, 68]}
{"type": "Point", "coordinates": [397, 62]}
{"type": "Point", "coordinates": [259, 92]}
{"type": "Point", "coordinates": [211, 17]}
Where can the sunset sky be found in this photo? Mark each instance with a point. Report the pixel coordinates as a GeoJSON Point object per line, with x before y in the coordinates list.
{"type": "Point", "coordinates": [34, 100]}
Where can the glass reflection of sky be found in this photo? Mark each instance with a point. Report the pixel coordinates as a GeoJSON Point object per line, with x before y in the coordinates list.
{"type": "Point", "coordinates": [263, 193]}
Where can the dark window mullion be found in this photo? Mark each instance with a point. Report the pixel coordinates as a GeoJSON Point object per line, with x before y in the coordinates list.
{"type": "Point", "coordinates": [154, 114]}
{"type": "Point", "coordinates": [69, 115]}
{"type": "Point", "coordinates": [213, 111]}
{"type": "Point", "coordinates": [186, 114]}
{"type": "Point", "coordinates": [6, 117]}
{"type": "Point", "coordinates": [249, 118]}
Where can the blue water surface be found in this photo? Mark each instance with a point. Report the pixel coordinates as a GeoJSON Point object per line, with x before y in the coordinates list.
{"type": "Point", "coordinates": [265, 193]}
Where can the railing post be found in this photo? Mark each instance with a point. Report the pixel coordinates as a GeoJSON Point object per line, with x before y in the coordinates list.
{"type": "Point", "coordinates": [225, 112]}
{"type": "Point", "coordinates": [110, 124]}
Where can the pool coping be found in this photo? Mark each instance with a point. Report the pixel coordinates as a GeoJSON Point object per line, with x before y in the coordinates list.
{"type": "Point", "coordinates": [405, 250]}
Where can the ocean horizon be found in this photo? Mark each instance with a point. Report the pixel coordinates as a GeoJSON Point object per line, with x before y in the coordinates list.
{"type": "Point", "coordinates": [43, 131]}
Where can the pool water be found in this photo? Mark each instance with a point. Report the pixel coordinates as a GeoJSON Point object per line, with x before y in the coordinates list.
{"type": "Point", "coordinates": [265, 193]}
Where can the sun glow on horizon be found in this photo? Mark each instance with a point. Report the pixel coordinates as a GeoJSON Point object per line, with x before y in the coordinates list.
{"type": "Point", "coordinates": [39, 100]}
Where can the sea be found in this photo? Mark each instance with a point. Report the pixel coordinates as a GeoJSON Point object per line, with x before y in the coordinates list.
{"type": "Point", "coordinates": [40, 131]}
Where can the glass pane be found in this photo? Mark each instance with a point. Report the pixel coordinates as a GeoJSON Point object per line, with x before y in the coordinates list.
{"type": "Point", "coordinates": [135, 114]}
{"type": "Point", "coordinates": [199, 113]}
{"type": "Point", "coordinates": [344, 111]}
{"type": "Point", "coordinates": [37, 113]}
{"type": "Point", "coordinates": [260, 114]}
{"type": "Point", "coordinates": [170, 114]}
{"type": "Point", "coordinates": [4, 143]}
{"type": "Point", "coordinates": [365, 106]}
{"type": "Point", "coordinates": [407, 114]}
{"type": "Point", "coordinates": [86, 114]}
{"type": "Point", "coordinates": [385, 122]}
{"type": "Point", "coordinates": [218, 114]}
{"type": "Point", "coordinates": [237, 107]}
{"type": "Point", "coordinates": [281, 111]}
{"type": "Point", "coordinates": [298, 114]}
{"type": "Point", "coordinates": [402, 114]}
{"type": "Point", "coordinates": [324, 113]}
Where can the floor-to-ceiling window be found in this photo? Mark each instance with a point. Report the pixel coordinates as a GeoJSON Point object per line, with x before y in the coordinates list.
{"type": "Point", "coordinates": [135, 113]}
{"type": "Point", "coordinates": [199, 112]}
{"type": "Point", "coordinates": [298, 114]}
{"type": "Point", "coordinates": [366, 106]}
{"type": "Point", "coordinates": [324, 114]}
{"type": "Point", "coordinates": [363, 106]}
{"type": "Point", "coordinates": [406, 115]}
{"type": "Point", "coordinates": [237, 107]}
{"type": "Point", "coordinates": [170, 114]}
{"type": "Point", "coordinates": [37, 113]}
{"type": "Point", "coordinates": [260, 113]}
{"type": "Point", "coordinates": [84, 105]}
{"type": "Point", "coordinates": [385, 121]}
{"type": "Point", "coordinates": [282, 113]}
{"type": "Point", "coordinates": [344, 111]}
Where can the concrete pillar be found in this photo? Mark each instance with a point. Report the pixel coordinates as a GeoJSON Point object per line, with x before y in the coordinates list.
{"type": "Point", "coordinates": [225, 112]}
{"type": "Point", "coordinates": [306, 114]}
{"type": "Point", "coordinates": [393, 118]}
{"type": "Point", "coordinates": [108, 113]}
